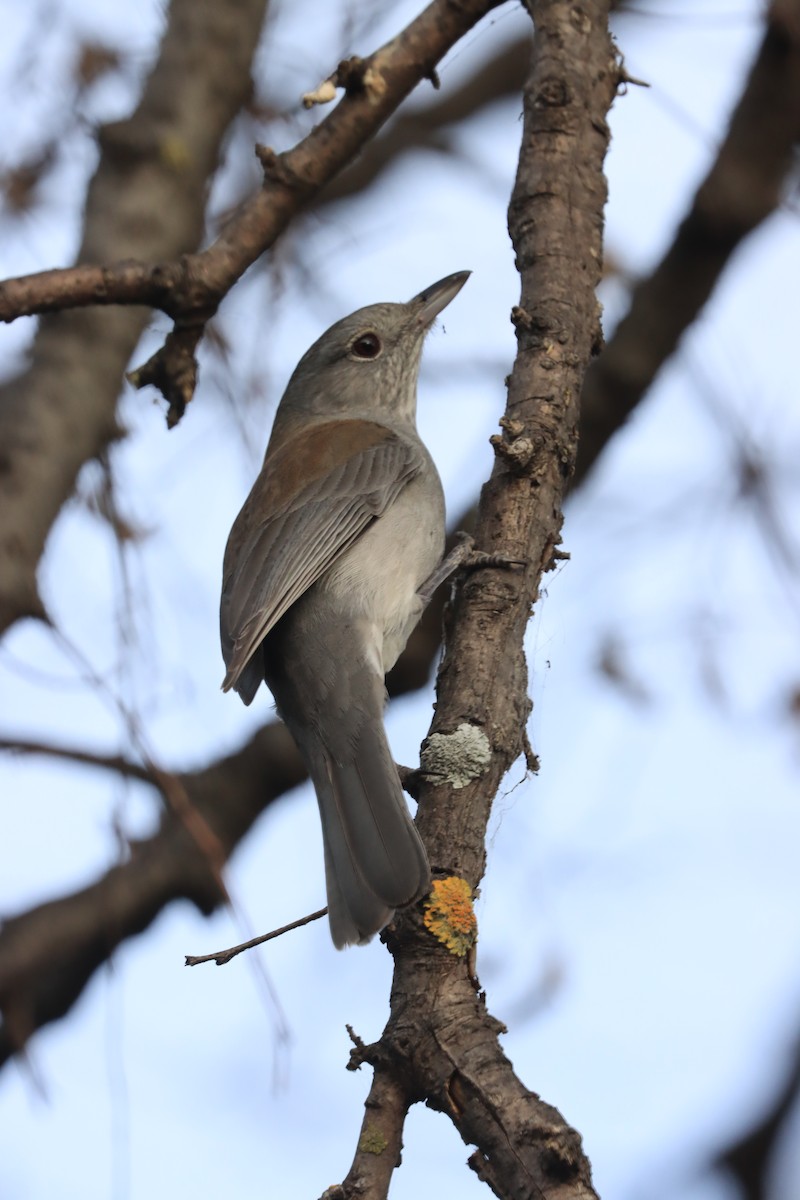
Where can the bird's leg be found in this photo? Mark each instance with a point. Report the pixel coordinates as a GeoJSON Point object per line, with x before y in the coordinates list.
{"type": "Point", "coordinates": [463, 557]}
{"type": "Point", "coordinates": [456, 558]}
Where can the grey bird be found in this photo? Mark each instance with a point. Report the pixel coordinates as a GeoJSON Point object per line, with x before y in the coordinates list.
{"type": "Point", "coordinates": [327, 569]}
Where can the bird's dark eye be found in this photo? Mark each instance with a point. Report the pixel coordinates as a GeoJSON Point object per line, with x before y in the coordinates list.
{"type": "Point", "coordinates": [366, 345]}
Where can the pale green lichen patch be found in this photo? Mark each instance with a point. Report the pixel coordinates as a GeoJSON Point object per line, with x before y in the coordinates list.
{"type": "Point", "coordinates": [458, 757]}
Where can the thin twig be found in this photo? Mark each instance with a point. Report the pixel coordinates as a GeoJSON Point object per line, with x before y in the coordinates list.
{"type": "Point", "coordinates": [108, 762]}
{"type": "Point", "coordinates": [220, 957]}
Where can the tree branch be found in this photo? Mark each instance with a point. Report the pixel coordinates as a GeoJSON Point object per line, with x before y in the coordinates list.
{"type": "Point", "coordinates": [191, 289]}
{"type": "Point", "coordinates": [440, 1038]}
{"type": "Point", "coordinates": [380, 1141]}
{"type": "Point", "coordinates": [152, 286]}
{"type": "Point", "coordinates": [740, 191]}
{"type": "Point", "coordinates": [750, 1157]}
{"type": "Point", "coordinates": [223, 957]}
{"type": "Point", "coordinates": [146, 202]}
{"type": "Point", "coordinates": [48, 954]}
{"type": "Point", "coordinates": [427, 128]}
{"type": "Point", "coordinates": [86, 758]}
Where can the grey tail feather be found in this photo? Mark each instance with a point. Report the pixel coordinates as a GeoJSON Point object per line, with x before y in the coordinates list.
{"type": "Point", "coordinates": [372, 914]}
{"type": "Point", "coordinates": [374, 858]}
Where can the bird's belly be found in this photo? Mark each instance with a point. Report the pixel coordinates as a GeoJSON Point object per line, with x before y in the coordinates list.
{"type": "Point", "coordinates": [380, 575]}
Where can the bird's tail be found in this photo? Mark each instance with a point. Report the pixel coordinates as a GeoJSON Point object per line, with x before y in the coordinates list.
{"type": "Point", "coordinates": [374, 858]}
{"type": "Point", "coordinates": [328, 686]}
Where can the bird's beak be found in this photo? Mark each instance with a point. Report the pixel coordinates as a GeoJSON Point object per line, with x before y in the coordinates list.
{"type": "Point", "coordinates": [430, 302]}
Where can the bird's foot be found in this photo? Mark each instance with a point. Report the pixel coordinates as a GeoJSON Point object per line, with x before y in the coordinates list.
{"type": "Point", "coordinates": [464, 557]}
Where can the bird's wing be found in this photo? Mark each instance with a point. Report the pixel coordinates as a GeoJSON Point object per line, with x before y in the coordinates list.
{"type": "Point", "coordinates": [316, 493]}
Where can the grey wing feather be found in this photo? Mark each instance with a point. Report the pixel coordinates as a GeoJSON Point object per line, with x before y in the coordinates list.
{"type": "Point", "coordinates": [288, 551]}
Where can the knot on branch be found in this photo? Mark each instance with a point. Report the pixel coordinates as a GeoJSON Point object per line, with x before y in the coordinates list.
{"type": "Point", "coordinates": [356, 76]}
{"type": "Point", "coordinates": [517, 450]}
{"type": "Point", "coordinates": [481, 1164]}
{"type": "Point", "coordinates": [173, 369]}
{"type": "Point", "coordinates": [275, 169]}
{"type": "Point", "coordinates": [545, 328]}
{"type": "Point", "coordinates": [352, 75]}
{"type": "Point", "coordinates": [562, 1154]}
{"type": "Point", "coordinates": [361, 1053]}
{"type": "Point", "coordinates": [521, 318]}
{"type": "Point", "coordinates": [362, 77]}
{"type": "Point", "coordinates": [580, 20]}
{"type": "Point", "coordinates": [552, 555]}
{"type": "Point", "coordinates": [553, 93]}
{"type": "Point", "coordinates": [127, 142]}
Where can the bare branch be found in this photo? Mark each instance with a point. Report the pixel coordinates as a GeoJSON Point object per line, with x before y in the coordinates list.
{"type": "Point", "coordinates": [87, 284]}
{"type": "Point", "coordinates": [192, 289]}
{"type": "Point", "coordinates": [108, 762]}
{"type": "Point", "coordinates": [381, 1138]}
{"type": "Point", "coordinates": [221, 957]}
{"type": "Point", "coordinates": [428, 127]}
{"type": "Point", "coordinates": [750, 1157]}
{"type": "Point", "coordinates": [144, 203]}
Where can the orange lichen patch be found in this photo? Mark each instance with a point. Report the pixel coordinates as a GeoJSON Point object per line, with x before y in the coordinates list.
{"type": "Point", "coordinates": [449, 914]}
